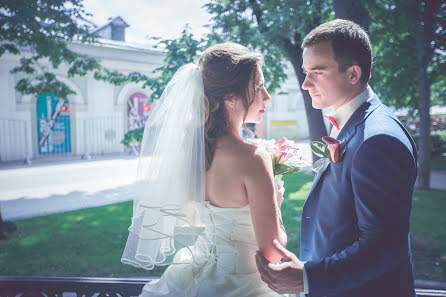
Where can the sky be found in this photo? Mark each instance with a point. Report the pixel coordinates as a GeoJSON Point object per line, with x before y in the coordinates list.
{"type": "Point", "coordinates": [154, 18]}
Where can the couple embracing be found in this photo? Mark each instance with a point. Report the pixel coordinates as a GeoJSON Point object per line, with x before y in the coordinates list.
{"type": "Point", "coordinates": [207, 204]}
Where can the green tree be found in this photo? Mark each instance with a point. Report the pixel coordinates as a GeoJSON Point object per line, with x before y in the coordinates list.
{"type": "Point", "coordinates": [408, 39]}
{"type": "Point", "coordinates": [276, 28]}
{"type": "Point", "coordinates": [355, 11]}
{"type": "Point", "coordinates": [352, 10]}
{"type": "Point", "coordinates": [39, 31]}
{"type": "Point", "coordinates": [178, 52]}
{"type": "Point", "coordinates": [393, 36]}
{"type": "Point", "coordinates": [424, 16]}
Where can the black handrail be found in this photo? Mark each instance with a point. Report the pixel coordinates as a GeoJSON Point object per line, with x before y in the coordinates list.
{"type": "Point", "coordinates": [12, 286]}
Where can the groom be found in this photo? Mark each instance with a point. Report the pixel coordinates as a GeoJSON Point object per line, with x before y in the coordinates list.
{"type": "Point", "coordinates": [355, 221]}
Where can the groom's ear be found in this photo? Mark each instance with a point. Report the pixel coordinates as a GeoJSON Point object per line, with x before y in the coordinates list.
{"type": "Point", "coordinates": [354, 74]}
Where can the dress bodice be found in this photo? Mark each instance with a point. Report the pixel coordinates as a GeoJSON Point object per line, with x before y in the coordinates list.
{"type": "Point", "coordinates": [230, 225]}
{"type": "Point", "coordinates": [232, 232]}
{"type": "Point", "coordinates": [220, 263]}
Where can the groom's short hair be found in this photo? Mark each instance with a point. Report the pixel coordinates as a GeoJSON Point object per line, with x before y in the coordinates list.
{"type": "Point", "coordinates": [350, 43]}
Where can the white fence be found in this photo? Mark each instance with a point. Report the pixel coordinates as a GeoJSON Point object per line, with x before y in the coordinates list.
{"type": "Point", "coordinates": [14, 140]}
{"type": "Point", "coordinates": [89, 136]}
{"type": "Point", "coordinates": [100, 135]}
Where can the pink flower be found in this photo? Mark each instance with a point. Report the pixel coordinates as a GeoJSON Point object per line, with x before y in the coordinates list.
{"type": "Point", "coordinates": [333, 146]}
{"type": "Point", "coordinates": [281, 149]}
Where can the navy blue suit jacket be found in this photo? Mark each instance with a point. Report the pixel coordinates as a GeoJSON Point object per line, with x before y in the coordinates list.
{"type": "Point", "coordinates": [355, 221]}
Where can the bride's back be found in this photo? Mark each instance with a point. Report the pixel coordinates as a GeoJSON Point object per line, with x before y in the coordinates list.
{"type": "Point", "coordinates": [237, 173]}
{"type": "Point", "coordinates": [225, 178]}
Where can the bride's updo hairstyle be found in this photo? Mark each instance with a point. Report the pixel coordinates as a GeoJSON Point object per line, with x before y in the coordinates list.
{"type": "Point", "coordinates": [228, 71]}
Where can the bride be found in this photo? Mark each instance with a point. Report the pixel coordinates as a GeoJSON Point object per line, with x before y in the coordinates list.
{"type": "Point", "coordinates": [206, 200]}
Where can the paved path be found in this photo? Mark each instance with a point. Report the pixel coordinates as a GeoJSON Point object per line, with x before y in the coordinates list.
{"type": "Point", "coordinates": [49, 188]}
{"type": "Point", "coordinates": [438, 180]}
{"type": "Point", "coordinates": [27, 191]}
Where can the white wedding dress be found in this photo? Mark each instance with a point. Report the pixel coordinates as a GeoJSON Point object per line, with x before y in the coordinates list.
{"type": "Point", "coordinates": [220, 263]}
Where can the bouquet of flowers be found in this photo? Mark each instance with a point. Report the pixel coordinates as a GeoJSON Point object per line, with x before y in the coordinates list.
{"type": "Point", "coordinates": [286, 157]}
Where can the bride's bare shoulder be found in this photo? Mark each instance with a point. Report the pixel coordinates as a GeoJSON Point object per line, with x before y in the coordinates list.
{"type": "Point", "coordinates": [244, 156]}
{"type": "Point", "coordinates": [252, 156]}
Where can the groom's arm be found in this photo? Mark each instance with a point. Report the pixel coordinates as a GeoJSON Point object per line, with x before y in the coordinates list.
{"type": "Point", "coordinates": [382, 176]}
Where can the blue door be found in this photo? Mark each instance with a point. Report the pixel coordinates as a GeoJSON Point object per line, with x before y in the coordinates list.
{"type": "Point", "coordinates": [53, 125]}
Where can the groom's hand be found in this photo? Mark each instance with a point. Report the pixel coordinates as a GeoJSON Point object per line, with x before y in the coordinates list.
{"type": "Point", "coordinates": [285, 277]}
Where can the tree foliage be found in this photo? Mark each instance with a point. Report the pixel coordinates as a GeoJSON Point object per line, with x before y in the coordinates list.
{"type": "Point", "coordinates": [408, 39]}
{"type": "Point", "coordinates": [276, 28]}
{"type": "Point", "coordinates": [178, 52]}
{"type": "Point", "coordinates": [234, 22]}
{"type": "Point", "coordinates": [39, 32]}
{"type": "Point", "coordinates": [395, 70]}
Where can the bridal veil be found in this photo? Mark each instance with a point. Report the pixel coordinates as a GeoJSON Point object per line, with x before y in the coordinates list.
{"type": "Point", "coordinates": [171, 174]}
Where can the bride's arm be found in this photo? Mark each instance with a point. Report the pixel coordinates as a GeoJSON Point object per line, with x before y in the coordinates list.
{"type": "Point", "coordinates": [265, 211]}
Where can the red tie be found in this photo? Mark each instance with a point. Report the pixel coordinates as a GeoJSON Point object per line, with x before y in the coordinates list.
{"type": "Point", "coordinates": [332, 121]}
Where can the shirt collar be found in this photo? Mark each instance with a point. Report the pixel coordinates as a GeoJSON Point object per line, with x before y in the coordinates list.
{"type": "Point", "coordinates": [343, 113]}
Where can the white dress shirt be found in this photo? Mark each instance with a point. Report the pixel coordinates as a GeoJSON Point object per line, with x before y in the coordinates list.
{"type": "Point", "coordinates": [343, 113]}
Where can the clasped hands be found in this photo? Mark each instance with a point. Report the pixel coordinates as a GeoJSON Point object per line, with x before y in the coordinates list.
{"type": "Point", "coordinates": [283, 277]}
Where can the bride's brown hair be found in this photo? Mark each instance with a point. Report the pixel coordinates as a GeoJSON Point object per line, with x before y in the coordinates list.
{"type": "Point", "coordinates": [227, 71]}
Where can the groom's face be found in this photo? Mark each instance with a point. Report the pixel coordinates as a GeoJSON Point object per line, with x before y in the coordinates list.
{"type": "Point", "coordinates": [328, 87]}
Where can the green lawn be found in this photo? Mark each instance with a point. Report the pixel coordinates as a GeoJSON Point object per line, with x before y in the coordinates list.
{"type": "Point", "coordinates": [428, 234]}
{"type": "Point", "coordinates": [89, 242]}
{"type": "Point", "coordinates": [86, 242]}
{"type": "Point", "coordinates": [297, 187]}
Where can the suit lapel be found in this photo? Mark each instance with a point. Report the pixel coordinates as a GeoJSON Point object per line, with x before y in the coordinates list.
{"type": "Point", "coordinates": [349, 130]}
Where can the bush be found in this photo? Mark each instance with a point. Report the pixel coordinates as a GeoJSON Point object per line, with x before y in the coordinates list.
{"type": "Point", "coordinates": [438, 142]}
{"type": "Point", "coordinates": [133, 136]}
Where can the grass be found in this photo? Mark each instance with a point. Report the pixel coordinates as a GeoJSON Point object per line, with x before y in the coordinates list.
{"type": "Point", "coordinates": [86, 242]}
{"type": "Point", "coordinates": [439, 162]}
{"type": "Point", "coordinates": [90, 242]}
{"type": "Point", "coordinates": [428, 234]}
{"type": "Point", "coordinates": [297, 187]}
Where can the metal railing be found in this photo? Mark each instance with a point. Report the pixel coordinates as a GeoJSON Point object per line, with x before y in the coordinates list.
{"type": "Point", "coordinates": [13, 286]}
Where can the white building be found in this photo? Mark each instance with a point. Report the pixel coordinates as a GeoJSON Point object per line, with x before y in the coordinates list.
{"type": "Point", "coordinates": [95, 120]}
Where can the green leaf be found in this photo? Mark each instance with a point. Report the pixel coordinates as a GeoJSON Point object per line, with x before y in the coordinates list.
{"type": "Point", "coordinates": [282, 169]}
{"type": "Point", "coordinates": [321, 164]}
{"type": "Point", "coordinates": [320, 149]}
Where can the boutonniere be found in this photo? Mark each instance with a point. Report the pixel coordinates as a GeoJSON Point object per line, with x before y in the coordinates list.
{"type": "Point", "coordinates": [331, 150]}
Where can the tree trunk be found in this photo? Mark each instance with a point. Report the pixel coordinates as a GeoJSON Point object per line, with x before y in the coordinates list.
{"type": "Point", "coordinates": [422, 49]}
{"type": "Point", "coordinates": [2, 225]}
{"type": "Point", "coordinates": [352, 10]}
{"type": "Point", "coordinates": [6, 227]}
{"type": "Point", "coordinates": [316, 126]}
